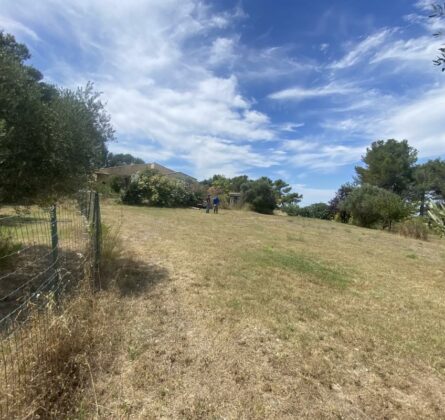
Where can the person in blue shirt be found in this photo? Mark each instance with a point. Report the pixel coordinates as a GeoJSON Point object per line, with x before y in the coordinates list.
{"type": "Point", "coordinates": [215, 204]}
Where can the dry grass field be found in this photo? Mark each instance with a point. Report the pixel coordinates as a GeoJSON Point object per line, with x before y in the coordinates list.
{"type": "Point", "coordinates": [245, 316]}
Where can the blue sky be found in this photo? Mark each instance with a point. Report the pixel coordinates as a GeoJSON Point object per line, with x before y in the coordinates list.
{"type": "Point", "coordinates": [291, 89]}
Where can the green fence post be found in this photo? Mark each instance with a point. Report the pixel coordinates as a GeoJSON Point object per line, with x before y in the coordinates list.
{"type": "Point", "coordinates": [97, 239]}
{"type": "Point", "coordinates": [54, 234]}
{"type": "Point", "coordinates": [54, 242]}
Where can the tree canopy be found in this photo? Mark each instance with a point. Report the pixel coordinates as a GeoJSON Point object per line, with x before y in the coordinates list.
{"type": "Point", "coordinates": [51, 139]}
{"type": "Point", "coordinates": [439, 13]}
{"type": "Point", "coordinates": [335, 207]}
{"type": "Point", "coordinates": [121, 159]}
{"type": "Point", "coordinates": [389, 165]}
{"type": "Point", "coordinates": [429, 182]}
{"type": "Point", "coordinates": [263, 194]}
{"type": "Point", "coordinates": [260, 195]}
{"type": "Point", "coordinates": [370, 205]}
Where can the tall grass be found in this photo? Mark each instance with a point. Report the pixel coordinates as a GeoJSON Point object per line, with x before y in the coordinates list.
{"type": "Point", "coordinates": [61, 348]}
{"type": "Point", "coordinates": [413, 228]}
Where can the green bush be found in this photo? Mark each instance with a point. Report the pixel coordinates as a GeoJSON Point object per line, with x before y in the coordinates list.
{"type": "Point", "coordinates": [292, 210]}
{"type": "Point", "coordinates": [314, 211]}
{"type": "Point", "coordinates": [132, 194]}
{"type": "Point", "coordinates": [117, 183]}
{"type": "Point", "coordinates": [372, 206]}
{"type": "Point", "coordinates": [334, 204]}
{"type": "Point", "coordinates": [154, 189]}
{"type": "Point", "coordinates": [413, 228]}
{"type": "Point", "coordinates": [260, 195]}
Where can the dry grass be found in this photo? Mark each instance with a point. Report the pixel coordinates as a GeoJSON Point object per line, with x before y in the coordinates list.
{"type": "Point", "coordinates": [48, 361]}
{"type": "Point", "coordinates": [239, 315]}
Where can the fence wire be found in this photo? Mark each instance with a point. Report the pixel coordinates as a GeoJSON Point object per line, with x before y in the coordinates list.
{"type": "Point", "coordinates": [44, 254]}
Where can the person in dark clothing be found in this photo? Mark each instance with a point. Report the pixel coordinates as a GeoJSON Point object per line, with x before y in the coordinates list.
{"type": "Point", "coordinates": [215, 204]}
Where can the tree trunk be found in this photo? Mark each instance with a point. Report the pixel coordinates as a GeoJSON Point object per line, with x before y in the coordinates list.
{"type": "Point", "coordinates": [422, 204]}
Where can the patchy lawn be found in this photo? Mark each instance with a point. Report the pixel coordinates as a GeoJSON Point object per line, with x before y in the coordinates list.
{"type": "Point", "coordinates": [240, 315]}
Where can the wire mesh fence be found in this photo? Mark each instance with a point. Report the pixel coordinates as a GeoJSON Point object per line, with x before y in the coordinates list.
{"type": "Point", "coordinates": [44, 254]}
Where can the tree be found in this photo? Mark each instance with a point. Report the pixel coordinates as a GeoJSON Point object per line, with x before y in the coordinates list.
{"type": "Point", "coordinates": [221, 184]}
{"type": "Point", "coordinates": [389, 165]}
{"type": "Point", "coordinates": [121, 159]}
{"type": "Point", "coordinates": [439, 13]}
{"type": "Point", "coordinates": [50, 139]}
{"type": "Point", "coordinates": [429, 182]}
{"type": "Point", "coordinates": [335, 203]}
{"type": "Point", "coordinates": [237, 182]}
{"type": "Point", "coordinates": [284, 196]}
{"type": "Point", "coordinates": [260, 195]}
{"type": "Point", "coordinates": [370, 206]}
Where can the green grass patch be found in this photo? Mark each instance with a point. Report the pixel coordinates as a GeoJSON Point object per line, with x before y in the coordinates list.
{"type": "Point", "coordinates": [315, 270]}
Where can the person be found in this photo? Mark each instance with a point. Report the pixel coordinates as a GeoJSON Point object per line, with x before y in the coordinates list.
{"type": "Point", "coordinates": [215, 204]}
{"type": "Point", "coordinates": [208, 204]}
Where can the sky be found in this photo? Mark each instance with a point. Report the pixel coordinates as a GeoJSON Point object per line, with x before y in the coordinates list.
{"type": "Point", "coordinates": [291, 89]}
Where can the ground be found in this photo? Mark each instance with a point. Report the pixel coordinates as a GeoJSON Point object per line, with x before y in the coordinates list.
{"type": "Point", "coordinates": [240, 315]}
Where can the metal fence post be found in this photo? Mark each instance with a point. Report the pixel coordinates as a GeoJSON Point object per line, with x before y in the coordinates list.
{"type": "Point", "coordinates": [54, 242]}
{"type": "Point", "coordinates": [97, 239]}
{"type": "Point", "coordinates": [54, 235]}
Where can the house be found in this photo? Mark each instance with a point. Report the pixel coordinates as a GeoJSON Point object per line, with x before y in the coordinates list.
{"type": "Point", "coordinates": [104, 175]}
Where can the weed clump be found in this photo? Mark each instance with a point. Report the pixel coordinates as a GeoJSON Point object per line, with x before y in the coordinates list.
{"type": "Point", "coordinates": [413, 228]}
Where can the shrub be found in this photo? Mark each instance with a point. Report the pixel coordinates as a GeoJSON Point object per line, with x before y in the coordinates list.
{"type": "Point", "coordinates": [292, 210]}
{"type": "Point", "coordinates": [436, 213]}
{"type": "Point", "coordinates": [314, 211]}
{"type": "Point", "coordinates": [371, 206]}
{"type": "Point", "coordinates": [413, 228]}
{"type": "Point", "coordinates": [335, 203]}
{"type": "Point", "coordinates": [117, 183]}
{"type": "Point", "coordinates": [260, 195]}
{"type": "Point", "coordinates": [157, 190]}
{"type": "Point", "coordinates": [132, 195]}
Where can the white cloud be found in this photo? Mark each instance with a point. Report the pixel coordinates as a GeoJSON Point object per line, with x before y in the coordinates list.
{"type": "Point", "coordinates": [222, 51]}
{"type": "Point", "coordinates": [328, 157]}
{"type": "Point", "coordinates": [359, 51]}
{"type": "Point", "coordinates": [421, 49]}
{"type": "Point", "coordinates": [12, 26]}
{"type": "Point", "coordinates": [147, 59]}
{"type": "Point", "coordinates": [421, 122]}
{"type": "Point", "coordinates": [320, 156]}
{"type": "Point", "coordinates": [313, 195]}
{"type": "Point", "coordinates": [211, 155]}
{"type": "Point", "coordinates": [290, 127]}
{"type": "Point", "coordinates": [301, 93]}
{"type": "Point", "coordinates": [271, 63]}
{"type": "Point", "coordinates": [171, 72]}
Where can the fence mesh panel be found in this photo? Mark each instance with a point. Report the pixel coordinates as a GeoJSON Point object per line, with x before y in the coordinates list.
{"type": "Point", "coordinates": [44, 254]}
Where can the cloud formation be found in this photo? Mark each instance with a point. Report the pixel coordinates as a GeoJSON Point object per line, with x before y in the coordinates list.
{"type": "Point", "coordinates": [193, 84]}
